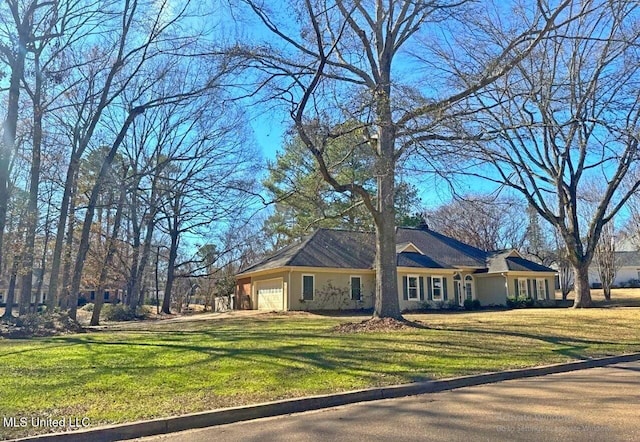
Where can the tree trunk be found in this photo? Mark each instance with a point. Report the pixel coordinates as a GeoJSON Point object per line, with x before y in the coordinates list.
{"type": "Point", "coordinates": [83, 246]}
{"type": "Point", "coordinates": [607, 292]}
{"type": "Point", "coordinates": [157, 283]}
{"type": "Point", "coordinates": [142, 265]}
{"type": "Point", "coordinates": [56, 262]}
{"type": "Point", "coordinates": [66, 271]}
{"type": "Point", "coordinates": [137, 276]}
{"type": "Point", "coordinates": [111, 250]}
{"type": "Point", "coordinates": [7, 144]}
{"type": "Point", "coordinates": [31, 224]}
{"type": "Point", "coordinates": [581, 286]}
{"type": "Point", "coordinates": [43, 257]}
{"type": "Point", "coordinates": [173, 255]}
{"type": "Point", "coordinates": [134, 240]}
{"type": "Point", "coordinates": [11, 297]}
{"type": "Point", "coordinates": [387, 303]}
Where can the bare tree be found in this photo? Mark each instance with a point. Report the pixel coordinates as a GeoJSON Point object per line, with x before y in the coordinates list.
{"type": "Point", "coordinates": [483, 221]}
{"type": "Point", "coordinates": [566, 116]}
{"type": "Point", "coordinates": [203, 186]}
{"type": "Point", "coordinates": [605, 258]}
{"type": "Point", "coordinates": [333, 61]}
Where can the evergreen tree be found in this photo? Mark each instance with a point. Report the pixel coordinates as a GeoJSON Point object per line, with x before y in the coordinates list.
{"type": "Point", "coordinates": [304, 201]}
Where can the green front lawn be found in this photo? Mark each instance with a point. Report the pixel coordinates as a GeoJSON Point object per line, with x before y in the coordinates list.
{"type": "Point", "coordinates": [161, 369]}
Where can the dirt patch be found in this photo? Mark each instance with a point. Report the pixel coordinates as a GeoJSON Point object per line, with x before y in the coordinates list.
{"type": "Point", "coordinates": [377, 325]}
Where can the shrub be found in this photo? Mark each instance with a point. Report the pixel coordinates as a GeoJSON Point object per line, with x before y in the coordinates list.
{"type": "Point", "coordinates": [520, 302]}
{"type": "Point", "coordinates": [468, 304]}
{"type": "Point", "coordinates": [633, 283]}
{"type": "Point", "coordinates": [545, 303]}
{"type": "Point", "coordinates": [88, 307]}
{"type": "Point", "coordinates": [122, 313]}
{"type": "Point", "coordinates": [452, 305]}
{"type": "Point", "coordinates": [475, 304]}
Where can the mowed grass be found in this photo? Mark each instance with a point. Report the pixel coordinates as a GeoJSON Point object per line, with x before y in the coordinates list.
{"type": "Point", "coordinates": [159, 369]}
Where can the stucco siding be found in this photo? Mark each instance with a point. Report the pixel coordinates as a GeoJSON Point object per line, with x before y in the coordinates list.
{"type": "Point", "coordinates": [409, 304]}
{"type": "Point", "coordinates": [512, 285]}
{"type": "Point", "coordinates": [332, 291]}
{"type": "Point", "coordinates": [491, 290]}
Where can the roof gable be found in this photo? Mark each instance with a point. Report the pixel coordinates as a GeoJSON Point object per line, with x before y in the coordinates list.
{"type": "Point", "coordinates": [408, 247]}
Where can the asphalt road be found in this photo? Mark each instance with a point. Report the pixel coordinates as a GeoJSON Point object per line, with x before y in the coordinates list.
{"type": "Point", "coordinates": [598, 404]}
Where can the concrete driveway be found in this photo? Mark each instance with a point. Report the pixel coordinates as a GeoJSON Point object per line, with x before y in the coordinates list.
{"type": "Point", "coordinates": [598, 404]}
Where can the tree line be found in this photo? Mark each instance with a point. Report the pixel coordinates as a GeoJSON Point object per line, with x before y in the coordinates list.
{"type": "Point", "coordinates": [125, 132]}
{"type": "Point", "coordinates": [119, 139]}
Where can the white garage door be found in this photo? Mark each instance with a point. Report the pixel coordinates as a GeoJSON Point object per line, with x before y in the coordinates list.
{"type": "Point", "coordinates": [270, 295]}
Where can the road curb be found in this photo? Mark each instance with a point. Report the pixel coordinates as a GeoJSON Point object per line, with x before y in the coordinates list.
{"type": "Point", "coordinates": [278, 408]}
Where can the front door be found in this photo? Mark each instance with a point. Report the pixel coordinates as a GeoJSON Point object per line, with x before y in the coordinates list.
{"type": "Point", "coordinates": [459, 293]}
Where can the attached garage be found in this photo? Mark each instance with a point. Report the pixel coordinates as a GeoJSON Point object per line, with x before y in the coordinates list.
{"type": "Point", "coordinates": [270, 294]}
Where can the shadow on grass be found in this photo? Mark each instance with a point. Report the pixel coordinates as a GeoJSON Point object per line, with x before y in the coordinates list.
{"type": "Point", "coordinates": [574, 348]}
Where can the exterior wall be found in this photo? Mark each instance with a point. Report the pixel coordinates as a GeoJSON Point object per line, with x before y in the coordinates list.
{"type": "Point", "coordinates": [409, 304]}
{"type": "Point", "coordinates": [243, 294]}
{"type": "Point", "coordinates": [282, 275]}
{"type": "Point", "coordinates": [623, 274]}
{"type": "Point", "coordinates": [332, 290]}
{"type": "Point", "coordinates": [490, 290]}
{"type": "Point", "coordinates": [512, 283]}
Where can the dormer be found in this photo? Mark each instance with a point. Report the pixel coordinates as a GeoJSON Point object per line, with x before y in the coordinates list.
{"type": "Point", "coordinates": [408, 247]}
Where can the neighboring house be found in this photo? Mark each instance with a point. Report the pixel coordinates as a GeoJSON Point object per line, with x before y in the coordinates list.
{"type": "Point", "coordinates": [36, 297]}
{"type": "Point", "coordinates": [333, 270]}
{"type": "Point", "coordinates": [627, 269]}
{"type": "Point", "coordinates": [108, 296]}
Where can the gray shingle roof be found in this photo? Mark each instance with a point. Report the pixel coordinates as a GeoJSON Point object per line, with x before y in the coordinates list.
{"type": "Point", "coordinates": [628, 259]}
{"type": "Point", "coordinates": [501, 262]}
{"type": "Point", "coordinates": [414, 259]}
{"type": "Point", "coordinates": [356, 250]}
{"type": "Point", "coordinates": [324, 248]}
{"type": "Point", "coordinates": [448, 252]}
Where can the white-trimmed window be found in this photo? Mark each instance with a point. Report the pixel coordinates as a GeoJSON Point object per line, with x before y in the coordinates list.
{"type": "Point", "coordinates": [413, 289]}
{"type": "Point", "coordinates": [523, 288]}
{"type": "Point", "coordinates": [468, 287]}
{"type": "Point", "coordinates": [308, 287]}
{"type": "Point", "coordinates": [356, 288]}
{"type": "Point", "coordinates": [436, 288]}
{"type": "Point", "coordinates": [541, 289]}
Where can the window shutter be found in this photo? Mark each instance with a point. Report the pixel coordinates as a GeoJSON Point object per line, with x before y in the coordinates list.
{"type": "Point", "coordinates": [546, 288]}
{"type": "Point", "coordinates": [529, 288]}
{"type": "Point", "coordinates": [517, 283]}
{"type": "Point", "coordinates": [421, 288]}
{"type": "Point", "coordinates": [405, 288]}
{"type": "Point", "coordinates": [535, 289]}
{"type": "Point", "coordinates": [444, 288]}
{"type": "Point", "coordinates": [429, 289]}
